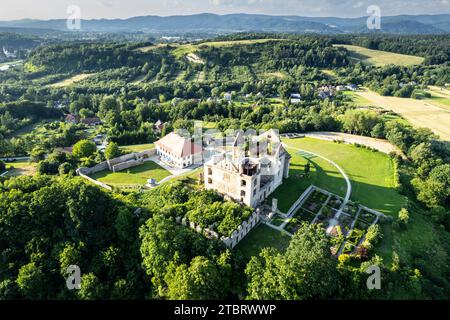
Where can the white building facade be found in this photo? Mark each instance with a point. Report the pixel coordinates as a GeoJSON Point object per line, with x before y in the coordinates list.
{"type": "Point", "coordinates": [178, 151]}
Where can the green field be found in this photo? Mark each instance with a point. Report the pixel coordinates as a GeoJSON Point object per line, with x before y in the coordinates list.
{"type": "Point", "coordinates": [185, 49]}
{"type": "Point", "coordinates": [71, 80]}
{"type": "Point", "coordinates": [137, 147]}
{"type": "Point", "coordinates": [372, 178]}
{"type": "Point", "coordinates": [262, 237]}
{"type": "Point", "coordinates": [380, 58]}
{"type": "Point", "coordinates": [372, 174]}
{"type": "Point", "coordinates": [20, 168]}
{"type": "Point", "coordinates": [133, 176]}
{"type": "Point", "coordinates": [322, 174]}
{"type": "Point", "coordinates": [357, 100]}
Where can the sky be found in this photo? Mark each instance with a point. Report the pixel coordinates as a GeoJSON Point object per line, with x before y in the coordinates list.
{"type": "Point", "coordinates": [94, 9]}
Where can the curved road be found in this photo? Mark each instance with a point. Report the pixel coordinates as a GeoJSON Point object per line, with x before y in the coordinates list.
{"type": "Point", "coordinates": [347, 181]}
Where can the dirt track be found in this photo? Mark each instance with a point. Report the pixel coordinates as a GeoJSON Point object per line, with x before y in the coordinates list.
{"type": "Point", "coordinates": [378, 144]}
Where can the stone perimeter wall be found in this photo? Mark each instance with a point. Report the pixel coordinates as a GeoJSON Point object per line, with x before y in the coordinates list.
{"type": "Point", "coordinates": [125, 160]}
{"type": "Point", "coordinates": [236, 236]}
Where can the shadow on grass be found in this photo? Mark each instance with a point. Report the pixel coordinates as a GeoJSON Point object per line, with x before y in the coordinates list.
{"type": "Point", "coordinates": [384, 199]}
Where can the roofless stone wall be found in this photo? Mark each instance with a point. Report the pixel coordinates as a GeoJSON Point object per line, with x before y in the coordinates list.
{"type": "Point", "coordinates": [236, 236]}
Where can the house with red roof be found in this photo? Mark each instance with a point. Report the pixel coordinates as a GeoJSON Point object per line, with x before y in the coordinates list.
{"type": "Point", "coordinates": [178, 151]}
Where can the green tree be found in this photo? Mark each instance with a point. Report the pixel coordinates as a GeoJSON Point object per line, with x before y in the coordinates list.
{"type": "Point", "coordinates": [307, 269]}
{"type": "Point", "coordinates": [84, 148]}
{"type": "Point", "coordinates": [435, 189]}
{"type": "Point", "coordinates": [201, 280]}
{"type": "Point", "coordinates": [112, 151]}
{"type": "Point", "coordinates": [403, 216]}
{"type": "Point", "coordinates": [91, 287]}
{"type": "Point", "coordinates": [37, 154]}
{"type": "Point", "coordinates": [31, 281]}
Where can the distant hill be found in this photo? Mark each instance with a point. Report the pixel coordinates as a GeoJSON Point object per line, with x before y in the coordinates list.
{"type": "Point", "coordinates": [212, 23]}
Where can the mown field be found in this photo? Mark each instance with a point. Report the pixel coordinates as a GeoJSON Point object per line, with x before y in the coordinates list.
{"type": "Point", "coordinates": [137, 147]}
{"type": "Point", "coordinates": [133, 176]}
{"type": "Point", "coordinates": [20, 168]}
{"type": "Point", "coordinates": [420, 113]}
{"type": "Point", "coordinates": [380, 58]}
{"type": "Point", "coordinates": [373, 182]}
{"type": "Point", "coordinates": [185, 49]}
{"type": "Point", "coordinates": [71, 80]}
{"type": "Point", "coordinates": [371, 174]}
{"type": "Point", "coordinates": [262, 237]}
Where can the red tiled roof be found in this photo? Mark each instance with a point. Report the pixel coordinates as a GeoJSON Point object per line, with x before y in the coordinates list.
{"type": "Point", "coordinates": [178, 145]}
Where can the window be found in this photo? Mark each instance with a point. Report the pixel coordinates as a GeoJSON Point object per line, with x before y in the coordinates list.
{"type": "Point", "coordinates": [243, 183]}
{"type": "Point", "coordinates": [209, 180]}
{"type": "Point", "coordinates": [209, 171]}
{"type": "Point", "coordinates": [242, 193]}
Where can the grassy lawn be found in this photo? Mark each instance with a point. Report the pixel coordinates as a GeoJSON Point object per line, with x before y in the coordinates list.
{"type": "Point", "coordinates": [72, 80]}
{"type": "Point", "coordinates": [133, 176]}
{"type": "Point", "coordinates": [322, 174]}
{"type": "Point", "coordinates": [190, 179]}
{"type": "Point", "coordinates": [380, 58]}
{"type": "Point", "coordinates": [20, 168]}
{"type": "Point", "coordinates": [439, 101]}
{"type": "Point", "coordinates": [185, 49]}
{"type": "Point", "coordinates": [358, 100]}
{"type": "Point", "coordinates": [137, 147]}
{"type": "Point", "coordinates": [371, 174]}
{"type": "Point", "coordinates": [262, 237]}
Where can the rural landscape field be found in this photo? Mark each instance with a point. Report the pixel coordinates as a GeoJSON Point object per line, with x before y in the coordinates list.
{"type": "Point", "coordinates": [244, 157]}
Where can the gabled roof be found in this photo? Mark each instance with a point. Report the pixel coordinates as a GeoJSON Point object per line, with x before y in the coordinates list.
{"type": "Point", "coordinates": [93, 120]}
{"type": "Point", "coordinates": [178, 145]}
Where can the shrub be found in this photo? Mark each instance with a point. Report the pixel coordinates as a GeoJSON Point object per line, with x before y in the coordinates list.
{"type": "Point", "coordinates": [403, 216]}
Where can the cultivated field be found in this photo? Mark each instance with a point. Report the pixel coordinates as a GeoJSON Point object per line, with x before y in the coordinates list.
{"type": "Point", "coordinates": [440, 97]}
{"type": "Point", "coordinates": [185, 49]}
{"type": "Point", "coordinates": [380, 58]}
{"type": "Point", "coordinates": [418, 112]}
{"type": "Point", "coordinates": [72, 80]}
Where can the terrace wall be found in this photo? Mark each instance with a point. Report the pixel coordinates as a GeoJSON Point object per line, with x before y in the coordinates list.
{"type": "Point", "coordinates": [120, 163]}
{"type": "Point", "coordinates": [83, 172]}
{"type": "Point", "coordinates": [236, 236]}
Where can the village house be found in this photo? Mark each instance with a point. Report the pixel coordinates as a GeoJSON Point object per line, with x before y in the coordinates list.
{"type": "Point", "coordinates": [8, 54]}
{"type": "Point", "coordinates": [178, 151]}
{"type": "Point", "coordinates": [72, 118]}
{"type": "Point", "coordinates": [228, 96]}
{"type": "Point", "coordinates": [93, 121]}
{"type": "Point", "coordinates": [159, 126]}
{"type": "Point", "coordinates": [249, 176]}
{"type": "Point", "coordinates": [295, 98]}
{"type": "Point", "coordinates": [326, 92]}
{"type": "Point", "coordinates": [352, 87]}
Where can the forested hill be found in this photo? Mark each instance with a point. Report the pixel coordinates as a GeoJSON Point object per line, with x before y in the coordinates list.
{"type": "Point", "coordinates": [404, 24]}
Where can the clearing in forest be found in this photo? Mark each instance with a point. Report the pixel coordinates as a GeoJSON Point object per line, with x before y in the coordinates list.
{"type": "Point", "coordinates": [380, 58]}
{"type": "Point", "coordinates": [72, 80]}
